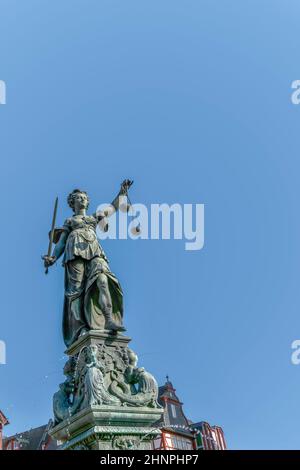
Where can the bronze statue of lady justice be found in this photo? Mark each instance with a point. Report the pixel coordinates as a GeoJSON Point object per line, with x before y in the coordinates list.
{"type": "Point", "coordinates": [93, 296]}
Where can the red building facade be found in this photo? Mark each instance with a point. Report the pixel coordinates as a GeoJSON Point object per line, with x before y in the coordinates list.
{"type": "Point", "coordinates": [3, 422]}
{"type": "Point", "coordinates": [209, 437]}
{"type": "Point", "coordinates": [178, 432]}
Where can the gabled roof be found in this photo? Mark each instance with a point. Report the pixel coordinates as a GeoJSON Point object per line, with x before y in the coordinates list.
{"type": "Point", "coordinates": [168, 391]}
{"type": "Point", "coordinates": [173, 418]}
{"type": "Point", "coordinates": [34, 439]}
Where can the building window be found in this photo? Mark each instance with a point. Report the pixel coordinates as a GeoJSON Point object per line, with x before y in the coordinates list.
{"type": "Point", "coordinates": [157, 443]}
{"type": "Point", "coordinates": [173, 410]}
{"type": "Point", "coordinates": [174, 441]}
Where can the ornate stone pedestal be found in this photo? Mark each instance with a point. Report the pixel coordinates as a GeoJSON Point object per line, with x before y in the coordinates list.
{"type": "Point", "coordinates": [106, 401]}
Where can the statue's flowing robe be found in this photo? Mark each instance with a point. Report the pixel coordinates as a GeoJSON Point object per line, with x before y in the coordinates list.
{"type": "Point", "coordinates": [84, 261]}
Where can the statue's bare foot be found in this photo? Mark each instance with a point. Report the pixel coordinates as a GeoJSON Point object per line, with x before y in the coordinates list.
{"type": "Point", "coordinates": [111, 325]}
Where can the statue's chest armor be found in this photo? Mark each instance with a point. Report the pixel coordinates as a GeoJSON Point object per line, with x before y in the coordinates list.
{"type": "Point", "coordinates": [83, 222]}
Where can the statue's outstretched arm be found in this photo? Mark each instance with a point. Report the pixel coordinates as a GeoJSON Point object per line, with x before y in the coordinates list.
{"type": "Point", "coordinates": [115, 205]}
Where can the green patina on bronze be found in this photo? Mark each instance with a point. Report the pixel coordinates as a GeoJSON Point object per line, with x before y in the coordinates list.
{"type": "Point", "coordinates": [106, 401]}
{"type": "Point", "coordinates": [93, 295]}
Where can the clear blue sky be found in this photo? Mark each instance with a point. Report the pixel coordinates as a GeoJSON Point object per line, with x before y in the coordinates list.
{"type": "Point", "coordinates": [191, 99]}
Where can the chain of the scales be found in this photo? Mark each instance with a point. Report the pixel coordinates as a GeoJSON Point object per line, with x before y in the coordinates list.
{"type": "Point", "coordinates": [126, 207]}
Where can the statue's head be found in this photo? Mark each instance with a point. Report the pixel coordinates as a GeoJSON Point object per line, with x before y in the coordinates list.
{"type": "Point", "coordinates": [92, 352]}
{"type": "Point", "coordinates": [132, 357]}
{"type": "Point", "coordinates": [78, 199]}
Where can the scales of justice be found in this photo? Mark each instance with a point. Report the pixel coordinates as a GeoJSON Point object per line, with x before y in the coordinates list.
{"type": "Point", "coordinates": [106, 401]}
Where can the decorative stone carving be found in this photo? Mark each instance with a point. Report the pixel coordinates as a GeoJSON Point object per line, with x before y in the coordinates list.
{"type": "Point", "coordinates": [102, 375]}
{"type": "Point", "coordinates": [107, 401]}
{"type": "Point", "coordinates": [61, 403]}
{"type": "Point", "coordinates": [123, 443]}
{"type": "Point", "coordinates": [64, 403]}
{"type": "Point", "coordinates": [124, 385]}
{"type": "Point", "coordinates": [95, 392]}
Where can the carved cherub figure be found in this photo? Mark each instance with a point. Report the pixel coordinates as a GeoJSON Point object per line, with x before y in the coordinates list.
{"type": "Point", "coordinates": [146, 383]}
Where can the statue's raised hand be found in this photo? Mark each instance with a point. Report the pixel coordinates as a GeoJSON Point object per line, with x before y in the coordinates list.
{"type": "Point", "coordinates": [126, 185]}
{"type": "Point", "coordinates": [48, 260]}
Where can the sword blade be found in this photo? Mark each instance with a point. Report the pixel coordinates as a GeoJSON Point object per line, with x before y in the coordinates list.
{"type": "Point", "coordinates": [52, 227]}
